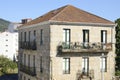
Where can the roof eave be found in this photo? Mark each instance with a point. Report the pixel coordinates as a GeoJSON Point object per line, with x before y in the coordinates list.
{"type": "Point", "coordinates": [81, 23]}
{"type": "Point", "coordinates": [52, 22]}
{"type": "Point", "coordinates": [34, 25]}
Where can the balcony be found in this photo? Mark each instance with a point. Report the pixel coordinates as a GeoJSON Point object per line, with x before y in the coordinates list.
{"type": "Point", "coordinates": [28, 70]}
{"type": "Point", "coordinates": [84, 47]}
{"type": "Point", "coordinates": [28, 45]}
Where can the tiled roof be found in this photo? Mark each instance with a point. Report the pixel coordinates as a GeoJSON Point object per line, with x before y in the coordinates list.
{"type": "Point", "coordinates": [69, 14]}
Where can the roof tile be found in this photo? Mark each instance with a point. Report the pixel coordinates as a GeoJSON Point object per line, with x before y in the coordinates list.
{"type": "Point", "coordinates": [69, 14]}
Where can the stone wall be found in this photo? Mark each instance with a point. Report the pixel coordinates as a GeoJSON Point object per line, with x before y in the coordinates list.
{"type": "Point", "coordinates": [41, 53]}
{"type": "Point", "coordinates": [76, 58]}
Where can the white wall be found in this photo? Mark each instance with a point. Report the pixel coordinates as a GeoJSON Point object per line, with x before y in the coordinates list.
{"type": "Point", "coordinates": [9, 41]}
{"type": "Point", "coordinates": [8, 44]}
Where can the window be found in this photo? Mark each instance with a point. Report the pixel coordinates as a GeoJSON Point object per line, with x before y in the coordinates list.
{"type": "Point", "coordinates": [41, 69]}
{"type": "Point", "coordinates": [21, 36]}
{"type": "Point", "coordinates": [85, 65]}
{"type": "Point", "coordinates": [66, 65]}
{"type": "Point", "coordinates": [34, 62]}
{"type": "Point", "coordinates": [29, 35]}
{"type": "Point", "coordinates": [85, 35]}
{"type": "Point", "coordinates": [66, 35]}
{"type": "Point", "coordinates": [24, 59]}
{"type": "Point", "coordinates": [103, 36]}
{"type": "Point", "coordinates": [86, 38]}
{"type": "Point", "coordinates": [103, 64]}
{"type": "Point", "coordinates": [66, 38]}
{"type": "Point", "coordinates": [34, 35]}
{"type": "Point", "coordinates": [21, 39]}
{"type": "Point", "coordinates": [41, 36]}
{"type": "Point", "coordinates": [28, 60]}
{"type": "Point", "coordinates": [6, 50]}
{"type": "Point", "coordinates": [21, 57]}
{"type": "Point", "coordinates": [24, 36]}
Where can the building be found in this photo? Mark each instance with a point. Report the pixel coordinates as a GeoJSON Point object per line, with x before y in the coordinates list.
{"type": "Point", "coordinates": [9, 41]}
{"type": "Point", "coordinates": [67, 44]}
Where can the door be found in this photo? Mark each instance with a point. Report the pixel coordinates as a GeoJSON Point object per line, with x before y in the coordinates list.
{"type": "Point", "coordinates": [86, 38]}
{"type": "Point", "coordinates": [104, 36]}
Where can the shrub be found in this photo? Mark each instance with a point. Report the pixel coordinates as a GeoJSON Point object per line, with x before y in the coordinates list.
{"type": "Point", "coordinates": [6, 65]}
{"type": "Point", "coordinates": [117, 73]}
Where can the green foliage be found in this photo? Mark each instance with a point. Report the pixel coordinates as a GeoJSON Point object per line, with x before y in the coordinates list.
{"type": "Point", "coordinates": [12, 65]}
{"type": "Point", "coordinates": [3, 24]}
{"type": "Point", "coordinates": [7, 65]}
{"type": "Point", "coordinates": [117, 73]}
{"type": "Point", "coordinates": [118, 47]}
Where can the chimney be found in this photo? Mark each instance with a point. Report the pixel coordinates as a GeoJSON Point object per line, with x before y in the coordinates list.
{"type": "Point", "coordinates": [24, 21]}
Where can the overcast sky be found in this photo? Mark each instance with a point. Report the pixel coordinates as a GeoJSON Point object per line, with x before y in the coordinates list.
{"type": "Point", "coordinates": [15, 10]}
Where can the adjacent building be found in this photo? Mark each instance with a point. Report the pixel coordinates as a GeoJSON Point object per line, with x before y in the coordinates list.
{"type": "Point", "coordinates": [67, 44]}
{"type": "Point", "coordinates": [9, 41]}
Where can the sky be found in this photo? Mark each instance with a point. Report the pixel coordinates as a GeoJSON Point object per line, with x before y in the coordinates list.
{"type": "Point", "coordinates": [15, 10]}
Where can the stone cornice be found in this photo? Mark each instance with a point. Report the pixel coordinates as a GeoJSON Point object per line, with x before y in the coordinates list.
{"type": "Point", "coordinates": [51, 22]}
{"type": "Point", "coordinates": [35, 25]}
{"type": "Point", "coordinates": [81, 24]}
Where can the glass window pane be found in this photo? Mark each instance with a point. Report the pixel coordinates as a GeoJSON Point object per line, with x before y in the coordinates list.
{"type": "Point", "coordinates": [66, 65]}
{"type": "Point", "coordinates": [103, 64]}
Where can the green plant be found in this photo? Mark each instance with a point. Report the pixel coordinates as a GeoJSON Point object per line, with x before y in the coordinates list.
{"type": "Point", "coordinates": [6, 65]}
{"type": "Point", "coordinates": [117, 45]}
{"type": "Point", "coordinates": [117, 73]}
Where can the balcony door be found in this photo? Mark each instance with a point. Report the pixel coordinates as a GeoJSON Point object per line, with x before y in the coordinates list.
{"type": "Point", "coordinates": [103, 36]}
{"type": "Point", "coordinates": [24, 36]}
{"type": "Point", "coordinates": [66, 37]}
{"type": "Point", "coordinates": [85, 38]}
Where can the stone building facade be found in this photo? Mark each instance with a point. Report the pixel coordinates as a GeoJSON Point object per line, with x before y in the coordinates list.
{"type": "Point", "coordinates": [67, 44]}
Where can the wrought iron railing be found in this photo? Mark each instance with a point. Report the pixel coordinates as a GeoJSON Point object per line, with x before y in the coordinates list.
{"type": "Point", "coordinates": [28, 45]}
{"type": "Point", "coordinates": [28, 70]}
{"type": "Point", "coordinates": [77, 46]}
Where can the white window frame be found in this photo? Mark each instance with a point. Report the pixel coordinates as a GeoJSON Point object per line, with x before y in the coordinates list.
{"type": "Point", "coordinates": [66, 36]}
{"type": "Point", "coordinates": [103, 64]}
{"type": "Point", "coordinates": [66, 65]}
{"type": "Point", "coordinates": [85, 65]}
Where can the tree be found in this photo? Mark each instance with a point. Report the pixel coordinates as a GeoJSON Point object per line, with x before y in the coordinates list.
{"type": "Point", "coordinates": [3, 64]}
{"type": "Point", "coordinates": [118, 47]}
{"type": "Point", "coordinates": [6, 65]}
{"type": "Point", "coordinates": [12, 65]}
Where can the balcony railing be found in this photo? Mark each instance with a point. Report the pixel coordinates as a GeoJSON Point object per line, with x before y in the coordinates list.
{"type": "Point", "coordinates": [84, 47]}
{"type": "Point", "coordinates": [28, 45]}
{"type": "Point", "coordinates": [83, 75]}
{"type": "Point", "coordinates": [28, 70]}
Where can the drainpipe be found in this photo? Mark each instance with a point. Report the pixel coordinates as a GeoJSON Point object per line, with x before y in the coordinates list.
{"type": "Point", "coordinates": [102, 71]}
{"type": "Point", "coordinates": [51, 73]}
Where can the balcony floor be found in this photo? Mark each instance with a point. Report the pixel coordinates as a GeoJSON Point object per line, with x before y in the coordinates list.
{"type": "Point", "coordinates": [84, 50]}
